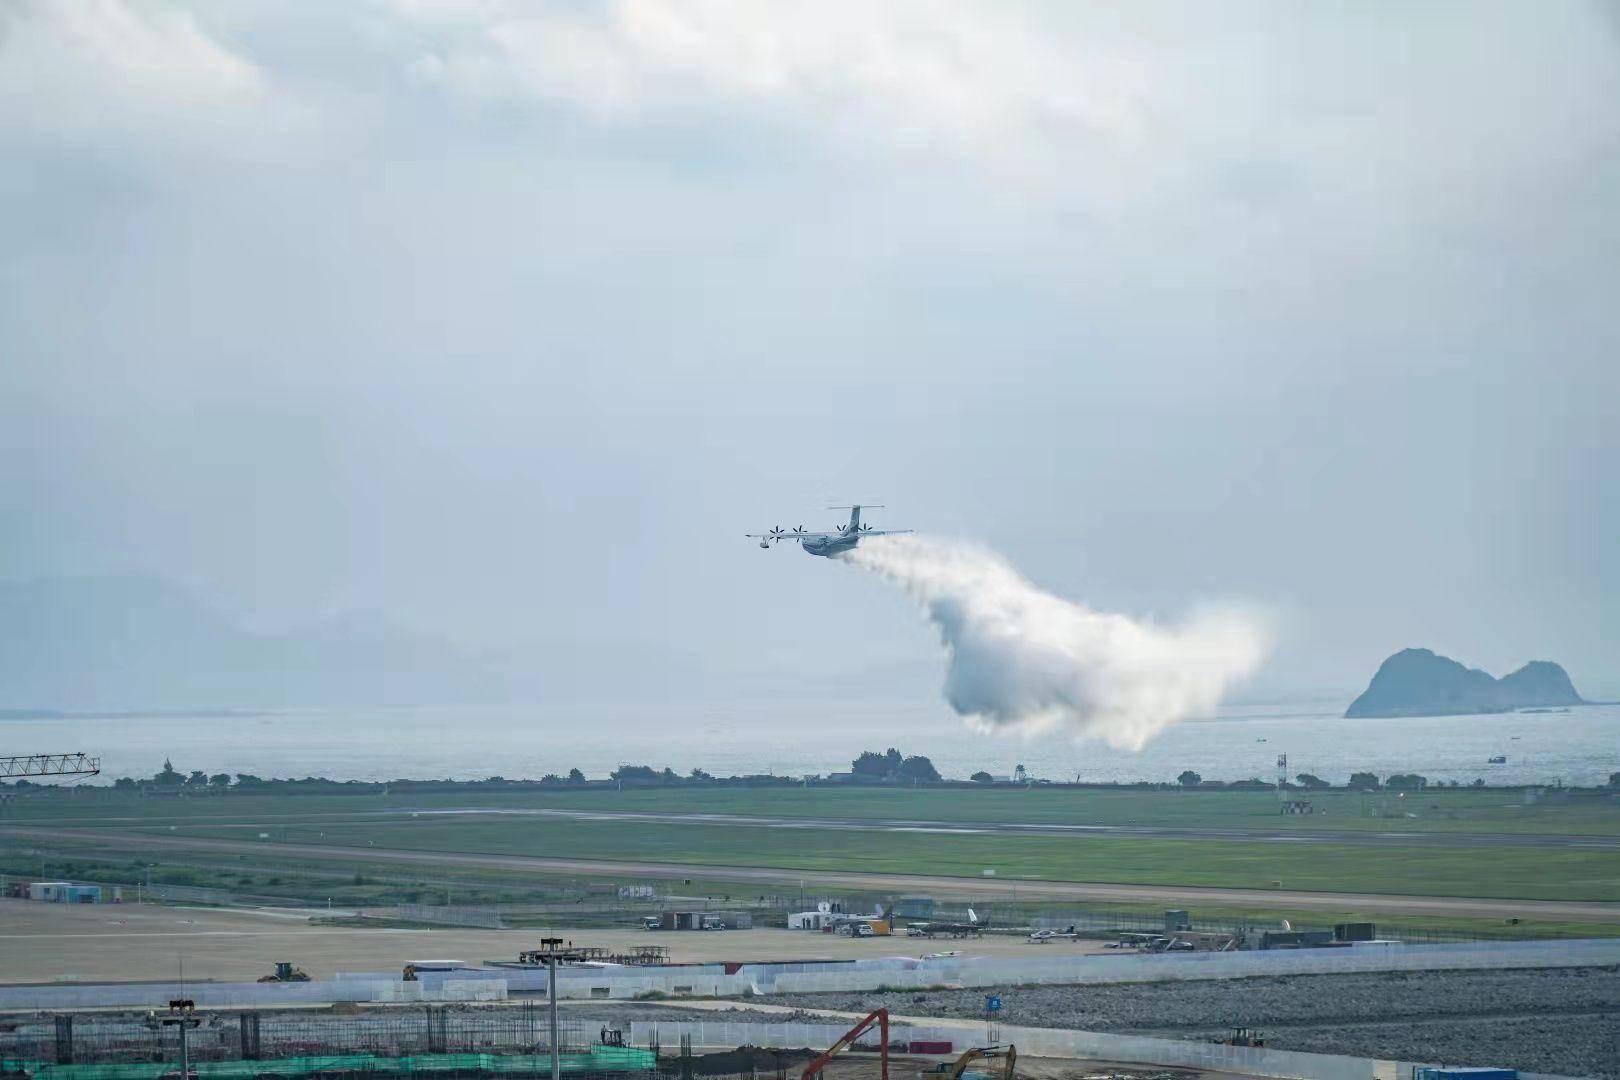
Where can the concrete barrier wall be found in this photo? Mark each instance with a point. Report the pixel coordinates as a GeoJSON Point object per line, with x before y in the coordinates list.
{"type": "Point", "coordinates": [615, 984]}
{"type": "Point", "coordinates": [1162, 966]}
{"type": "Point", "coordinates": [261, 995]}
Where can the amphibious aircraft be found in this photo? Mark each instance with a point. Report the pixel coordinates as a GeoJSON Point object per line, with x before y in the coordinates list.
{"type": "Point", "coordinates": [827, 543]}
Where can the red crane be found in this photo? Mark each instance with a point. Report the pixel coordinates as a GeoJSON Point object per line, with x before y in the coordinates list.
{"type": "Point", "coordinates": [880, 1017]}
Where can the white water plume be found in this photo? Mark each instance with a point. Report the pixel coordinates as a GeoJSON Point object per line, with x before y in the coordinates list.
{"type": "Point", "coordinates": [1022, 660]}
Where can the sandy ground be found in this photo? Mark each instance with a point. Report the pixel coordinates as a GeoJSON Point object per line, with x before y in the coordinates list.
{"type": "Point", "coordinates": [137, 942]}
{"type": "Point", "coordinates": [1168, 895]}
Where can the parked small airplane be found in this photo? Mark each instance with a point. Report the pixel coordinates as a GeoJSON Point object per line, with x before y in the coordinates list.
{"type": "Point", "coordinates": [1041, 937]}
{"type": "Point", "coordinates": [827, 543]}
{"type": "Point", "coordinates": [972, 928]}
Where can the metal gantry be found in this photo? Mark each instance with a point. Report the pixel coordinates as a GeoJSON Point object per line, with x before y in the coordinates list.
{"type": "Point", "coordinates": [48, 765]}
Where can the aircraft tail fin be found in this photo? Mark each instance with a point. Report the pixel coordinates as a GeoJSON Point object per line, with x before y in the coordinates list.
{"type": "Point", "coordinates": [855, 514]}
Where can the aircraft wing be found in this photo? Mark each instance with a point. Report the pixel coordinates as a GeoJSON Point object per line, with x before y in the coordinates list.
{"type": "Point", "coordinates": [886, 532]}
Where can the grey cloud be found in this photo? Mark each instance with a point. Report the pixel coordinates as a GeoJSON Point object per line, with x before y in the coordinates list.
{"type": "Point", "coordinates": [506, 327]}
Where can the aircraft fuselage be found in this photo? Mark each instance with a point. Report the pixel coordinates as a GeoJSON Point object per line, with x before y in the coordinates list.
{"type": "Point", "coordinates": [831, 545]}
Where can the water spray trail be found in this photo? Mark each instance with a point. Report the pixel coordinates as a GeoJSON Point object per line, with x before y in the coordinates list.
{"type": "Point", "coordinates": [1023, 660]}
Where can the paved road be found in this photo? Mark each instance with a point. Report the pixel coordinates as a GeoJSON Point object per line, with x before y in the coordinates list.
{"type": "Point", "coordinates": [1175, 895]}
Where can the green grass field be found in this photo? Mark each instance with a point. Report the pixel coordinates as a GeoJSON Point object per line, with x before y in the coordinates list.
{"type": "Point", "coordinates": [1525, 872]}
{"type": "Point", "coordinates": [1447, 810]}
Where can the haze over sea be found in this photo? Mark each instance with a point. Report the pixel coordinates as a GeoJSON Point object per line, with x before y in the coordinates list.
{"type": "Point", "coordinates": [1578, 747]}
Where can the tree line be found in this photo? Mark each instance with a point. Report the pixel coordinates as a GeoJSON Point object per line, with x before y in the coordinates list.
{"type": "Point", "coordinates": [1359, 781]}
{"type": "Point", "coordinates": [890, 767]}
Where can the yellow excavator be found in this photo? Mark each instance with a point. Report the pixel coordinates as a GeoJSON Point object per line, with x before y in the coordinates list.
{"type": "Point", "coordinates": [953, 1070]}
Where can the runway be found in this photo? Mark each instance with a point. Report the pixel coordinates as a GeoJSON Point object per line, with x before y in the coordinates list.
{"type": "Point", "coordinates": [1302, 833]}
{"type": "Point", "coordinates": [1165, 832]}
{"type": "Point", "coordinates": [964, 887]}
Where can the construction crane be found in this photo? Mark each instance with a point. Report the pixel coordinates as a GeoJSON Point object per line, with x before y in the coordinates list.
{"type": "Point", "coordinates": [878, 1016]}
{"type": "Point", "coordinates": [48, 765]}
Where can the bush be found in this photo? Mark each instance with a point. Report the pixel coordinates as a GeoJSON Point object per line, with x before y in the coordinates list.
{"type": "Point", "coordinates": [918, 768]}
{"type": "Point", "coordinates": [982, 777]}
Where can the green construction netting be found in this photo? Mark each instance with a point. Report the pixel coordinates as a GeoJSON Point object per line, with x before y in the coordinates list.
{"type": "Point", "coordinates": [601, 1059]}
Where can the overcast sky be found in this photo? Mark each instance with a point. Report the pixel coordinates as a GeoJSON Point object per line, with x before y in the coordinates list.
{"type": "Point", "coordinates": [507, 320]}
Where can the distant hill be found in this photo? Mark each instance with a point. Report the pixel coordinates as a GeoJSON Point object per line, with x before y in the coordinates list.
{"type": "Point", "coordinates": [125, 642]}
{"type": "Point", "coordinates": [1420, 682]}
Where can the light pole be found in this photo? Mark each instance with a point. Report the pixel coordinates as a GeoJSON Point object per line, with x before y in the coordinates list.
{"type": "Point", "coordinates": [551, 944]}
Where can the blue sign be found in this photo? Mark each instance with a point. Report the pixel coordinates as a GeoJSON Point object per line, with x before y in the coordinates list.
{"type": "Point", "coordinates": [992, 1004]}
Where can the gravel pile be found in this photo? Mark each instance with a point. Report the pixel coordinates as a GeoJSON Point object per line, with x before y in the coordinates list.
{"type": "Point", "coordinates": [1561, 1020]}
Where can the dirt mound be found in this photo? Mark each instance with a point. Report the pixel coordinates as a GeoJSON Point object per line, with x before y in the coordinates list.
{"type": "Point", "coordinates": [760, 1059]}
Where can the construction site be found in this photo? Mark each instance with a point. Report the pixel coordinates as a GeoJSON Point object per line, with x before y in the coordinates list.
{"type": "Point", "coordinates": [141, 973]}
{"type": "Point", "coordinates": [513, 1041]}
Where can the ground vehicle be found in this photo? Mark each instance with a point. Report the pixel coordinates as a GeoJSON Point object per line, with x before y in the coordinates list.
{"type": "Point", "coordinates": [651, 922]}
{"type": "Point", "coordinates": [862, 930]}
{"type": "Point", "coordinates": [414, 969]}
{"type": "Point", "coordinates": [285, 972]}
{"type": "Point", "coordinates": [953, 1070]}
{"type": "Point", "coordinates": [1242, 1037]}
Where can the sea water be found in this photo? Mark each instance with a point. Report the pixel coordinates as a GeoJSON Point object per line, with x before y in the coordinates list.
{"type": "Point", "coordinates": [796, 738]}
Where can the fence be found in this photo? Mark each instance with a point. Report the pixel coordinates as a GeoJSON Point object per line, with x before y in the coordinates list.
{"type": "Point", "coordinates": [602, 1063]}
{"type": "Point", "coordinates": [487, 918]}
{"type": "Point", "coordinates": [443, 1041]}
{"type": "Point", "coordinates": [249, 995]}
{"type": "Point", "coordinates": [68, 1039]}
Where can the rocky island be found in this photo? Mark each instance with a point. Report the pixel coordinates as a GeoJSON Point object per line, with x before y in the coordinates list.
{"type": "Point", "coordinates": [1420, 682]}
